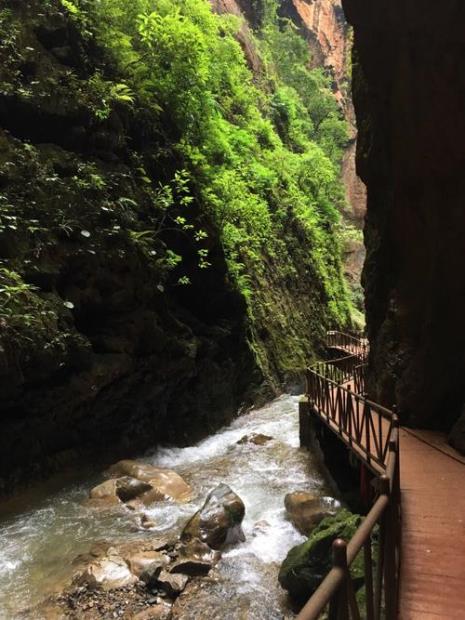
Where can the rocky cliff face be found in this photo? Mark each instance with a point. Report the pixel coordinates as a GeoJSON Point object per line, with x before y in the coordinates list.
{"type": "Point", "coordinates": [410, 95]}
{"type": "Point", "coordinates": [102, 352]}
{"type": "Point", "coordinates": [324, 25]}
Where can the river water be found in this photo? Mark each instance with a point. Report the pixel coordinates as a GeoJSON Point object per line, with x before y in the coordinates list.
{"type": "Point", "coordinates": [39, 539]}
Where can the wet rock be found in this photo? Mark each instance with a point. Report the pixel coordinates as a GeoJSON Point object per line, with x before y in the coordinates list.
{"type": "Point", "coordinates": [162, 543]}
{"type": "Point", "coordinates": [98, 550]}
{"type": "Point", "coordinates": [150, 573]}
{"type": "Point", "coordinates": [146, 522]}
{"type": "Point", "coordinates": [146, 561]}
{"type": "Point", "coordinates": [160, 611]}
{"type": "Point", "coordinates": [194, 558]}
{"type": "Point", "coordinates": [218, 522]}
{"type": "Point", "coordinates": [105, 490]}
{"type": "Point", "coordinates": [307, 564]}
{"type": "Point", "coordinates": [256, 438]}
{"type": "Point", "coordinates": [165, 484]}
{"type": "Point", "coordinates": [192, 567]}
{"type": "Point", "coordinates": [197, 550]}
{"type": "Point", "coordinates": [102, 503]}
{"type": "Point", "coordinates": [306, 510]}
{"type": "Point", "coordinates": [135, 505]}
{"type": "Point", "coordinates": [124, 489]}
{"type": "Point", "coordinates": [260, 527]}
{"type": "Point", "coordinates": [108, 573]}
{"type": "Point", "coordinates": [128, 488]}
{"type": "Point", "coordinates": [171, 583]}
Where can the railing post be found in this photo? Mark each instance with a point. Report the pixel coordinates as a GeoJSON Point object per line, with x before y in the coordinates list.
{"type": "Point", "coordinates": [366, 418]}
{"type": "Point", "coordinates": [390, 569]}
{"type": "Point", "coordinates": [339, 606]}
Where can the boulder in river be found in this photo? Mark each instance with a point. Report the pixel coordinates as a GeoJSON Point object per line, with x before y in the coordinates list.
{"type": "Point", "coordinates": [194, 558]}
{"type": "Point", "coordinates": [306, 510]}
{"type": "Point", "coordinates": [124, 489]}
{"type": "Point", "coordinates": [108, 502]}
{"type": "Point", "coordinates": [144, 560]}
{"type": "Point", "coordinates": [109, 572]}
{"type": "Point", "coordinates": [171, 583]}
{"type": "Point", "coordinates": [165, 484]}
{"type": "Point", "coordinates": [306, 565]}
{"type": "Point", "coordinates": [256, 438]}
{"type": "Point", "coordinates": [146, 522]}
{"type": "Point", "coordinates": [218, 522]}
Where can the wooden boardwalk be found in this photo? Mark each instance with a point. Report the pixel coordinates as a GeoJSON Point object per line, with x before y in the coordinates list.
{"type": "Point", "coordinates": [432, 487]}
{"type": "Point", "coordinates": [430, 483]}
{"type": "Point", "coordinates": [432, 577]}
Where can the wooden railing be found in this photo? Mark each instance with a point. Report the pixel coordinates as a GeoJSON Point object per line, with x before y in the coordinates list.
{"type": "Point", "coordinates": [343, 370]}
{"type": "Point", "coordinates": [361, 424]}
{"type": "Point", "coordinates": [348, 343]}
{"type": "Point", "coordinates": [371, 432]}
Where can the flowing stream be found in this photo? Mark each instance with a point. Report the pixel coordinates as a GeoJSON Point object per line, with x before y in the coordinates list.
{"type": "Point", "coordinates": [40, 536]}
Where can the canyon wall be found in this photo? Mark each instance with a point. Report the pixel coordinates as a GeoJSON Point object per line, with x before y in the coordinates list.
{"type": "Point", "coordinates": [103, 350]}
{"type": "Point", "coordinates": [324, 25]}
{"type": "Point", "coordinates": [409, 89]}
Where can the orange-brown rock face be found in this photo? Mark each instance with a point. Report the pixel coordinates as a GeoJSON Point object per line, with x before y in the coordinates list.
{"type": "Point", "coordinates": [324, 25]}
{"type": "Point", "coordinates": [324, 22]}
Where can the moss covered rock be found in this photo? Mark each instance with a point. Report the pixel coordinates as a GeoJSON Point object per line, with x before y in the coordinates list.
{"type": "Point", "coordinates": [307, 564]}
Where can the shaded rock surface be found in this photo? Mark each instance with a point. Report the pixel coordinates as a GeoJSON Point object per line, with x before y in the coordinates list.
{"type": "Point", "coordinates": [218, 522]}
{"type": "Point", "coordinates": [457, 434]}
{"type": "Point", "coordinates": [410, 155]}
{"type": "Point", "coordinates": [143, 560]}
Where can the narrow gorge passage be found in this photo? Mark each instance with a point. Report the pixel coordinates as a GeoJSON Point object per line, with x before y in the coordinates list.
{"type": "Point", "coordinates": [39, 544]}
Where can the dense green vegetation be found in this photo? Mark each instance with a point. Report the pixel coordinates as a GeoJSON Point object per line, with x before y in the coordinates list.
{"type": "Point", "coordinates": [255, 158]}
{"type": "Point", "coordinates": [257, 155]}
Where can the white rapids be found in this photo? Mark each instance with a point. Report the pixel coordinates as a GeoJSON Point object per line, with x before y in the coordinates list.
{"type": "Point", "coordinates": [40, 536]}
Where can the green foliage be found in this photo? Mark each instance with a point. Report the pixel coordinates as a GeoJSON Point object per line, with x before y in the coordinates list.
{"type": "Point", "coordinates": [307, 564]}
{"type": "Point", "coordinates": [256, 158]}
{"type": "Point", "coordinates": [105, 93]}
{"type": "Point", "coordinates": [21, 309]}
{"type": "Point", "coordinates": [309, 89]}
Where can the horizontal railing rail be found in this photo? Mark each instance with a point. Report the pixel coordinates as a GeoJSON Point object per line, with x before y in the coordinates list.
{"type": "Point", "coordinates": [348, 343]}
{"type": "Point", "coordinates": [361, 424]}
{"type": "Point", "coordinates": [340, 370]}
{"type": "Point", "coordinates": [371, 432]}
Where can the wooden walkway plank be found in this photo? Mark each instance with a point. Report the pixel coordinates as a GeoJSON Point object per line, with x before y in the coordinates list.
{"type": "Point", "coordinates": [432, 577]}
